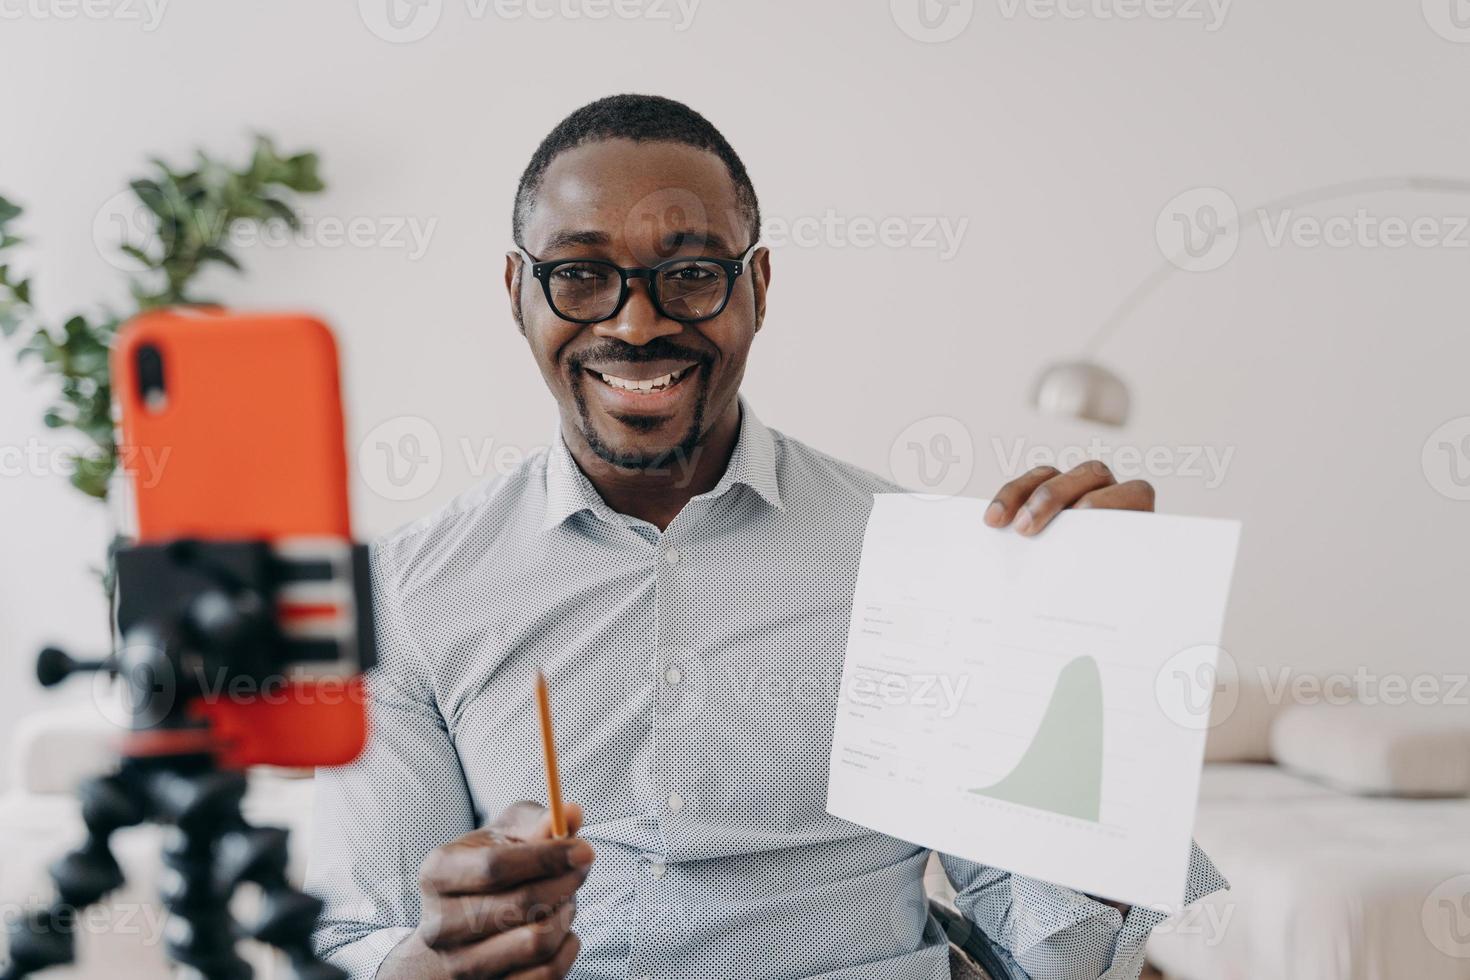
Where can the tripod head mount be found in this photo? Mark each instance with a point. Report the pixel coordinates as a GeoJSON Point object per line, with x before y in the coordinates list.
{"type": "Point", "coordinates": [229, 652]}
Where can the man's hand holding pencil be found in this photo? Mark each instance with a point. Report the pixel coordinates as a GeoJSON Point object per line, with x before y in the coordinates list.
{"type": "Point", "coordinates": [499, 901]}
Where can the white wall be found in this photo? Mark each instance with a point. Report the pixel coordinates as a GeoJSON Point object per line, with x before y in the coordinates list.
{"type": "Point", "coordinates": [1323, 370]}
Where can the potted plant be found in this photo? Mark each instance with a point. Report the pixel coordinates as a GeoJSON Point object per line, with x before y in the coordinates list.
{"type": "Point", "coordinates": [191, 213]}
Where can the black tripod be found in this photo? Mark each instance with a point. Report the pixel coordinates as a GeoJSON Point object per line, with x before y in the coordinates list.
{"type": "Point", "coordinates": [196, 611]}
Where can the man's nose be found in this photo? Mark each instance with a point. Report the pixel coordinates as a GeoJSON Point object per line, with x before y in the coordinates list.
{"type": "Point", "coordinates": [638, 322]}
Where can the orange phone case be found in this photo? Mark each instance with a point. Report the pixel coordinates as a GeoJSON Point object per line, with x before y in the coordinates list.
{"type": "Point", "coordinates": [248, 445]}
{"type": "Point", "coordinates": [250, 442]}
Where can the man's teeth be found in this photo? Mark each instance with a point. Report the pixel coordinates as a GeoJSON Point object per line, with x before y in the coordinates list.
{"type": "Point", "coordinates": [652, 384]}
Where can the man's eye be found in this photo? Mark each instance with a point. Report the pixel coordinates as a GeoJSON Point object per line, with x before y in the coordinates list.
{"type": "Point", "coordinates": [690, 273]}
{"type": "Point", "coordinates": [572, 273]}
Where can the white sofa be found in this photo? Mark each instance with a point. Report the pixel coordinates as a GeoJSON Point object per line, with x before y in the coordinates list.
{"type": "Point", "coordinates": [1344, 829]}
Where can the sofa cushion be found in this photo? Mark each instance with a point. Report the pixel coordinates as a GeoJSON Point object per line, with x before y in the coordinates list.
{"type": "Point", "coordinates": [1240, 715]}
{"type": "Point", "coordinates": [54, 751]}
{"type": "Point", "coordinates": [1377, 749]}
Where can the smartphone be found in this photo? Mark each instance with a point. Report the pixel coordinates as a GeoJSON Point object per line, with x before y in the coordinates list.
{"type": "Point", "coordinates": [231, 430]}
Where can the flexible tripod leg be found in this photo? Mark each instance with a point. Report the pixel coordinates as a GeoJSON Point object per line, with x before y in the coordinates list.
{"type": "Point", "coordinates": [287, 916]}
{"type": "Point", "coordinates": [44, 937]}
{"type": "Point", "coordinates": [200, 806]}
{"type": "Point", "coordinates": [216, 851]}
{"type": "Point", "coordinates": [209, 850]}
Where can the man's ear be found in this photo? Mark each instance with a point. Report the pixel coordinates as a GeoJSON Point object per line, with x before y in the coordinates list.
{"type": "Point", "coordinates": [513, 266]}
{"type": "Point", "coordinates": [760, 277]}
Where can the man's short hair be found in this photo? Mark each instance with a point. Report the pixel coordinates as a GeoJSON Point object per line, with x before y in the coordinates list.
{"type": "Point", "coordinates": [643, 119]}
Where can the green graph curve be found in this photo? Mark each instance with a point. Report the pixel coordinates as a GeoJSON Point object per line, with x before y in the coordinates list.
{"type": "Point", "coordinates": [1061, 770]}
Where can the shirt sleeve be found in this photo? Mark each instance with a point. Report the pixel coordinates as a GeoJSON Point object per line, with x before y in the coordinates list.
{"type": "Point", "coordinates": [1043, 931]}
{"type": "Point", "coordinates": [375, 819]}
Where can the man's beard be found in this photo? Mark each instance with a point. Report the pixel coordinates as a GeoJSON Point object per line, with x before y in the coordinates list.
{"type": "Point", "coordinates": [652, 351]}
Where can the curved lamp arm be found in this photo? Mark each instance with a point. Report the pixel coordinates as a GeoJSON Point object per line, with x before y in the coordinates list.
{"type": "Point", "coordinates": [1253, 217]}
{"type": "Point", "coordinates": [1086, 390]}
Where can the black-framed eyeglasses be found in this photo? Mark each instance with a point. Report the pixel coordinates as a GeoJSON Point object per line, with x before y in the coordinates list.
{"type": "Point", "coordinates": [593, 290]}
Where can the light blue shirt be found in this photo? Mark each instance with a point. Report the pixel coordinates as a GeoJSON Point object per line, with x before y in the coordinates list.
{"type": "Point", "coordinates": [694, 675]}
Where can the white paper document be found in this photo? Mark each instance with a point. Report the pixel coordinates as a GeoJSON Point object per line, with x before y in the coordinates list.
{"type": "Point", "coordinates": [1035, 704]}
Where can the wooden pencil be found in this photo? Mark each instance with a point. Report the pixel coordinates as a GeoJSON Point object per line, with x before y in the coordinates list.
{"type": "Point", "coordinates": [548, 747]}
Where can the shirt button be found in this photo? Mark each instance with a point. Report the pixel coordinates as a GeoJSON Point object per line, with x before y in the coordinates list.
{"type": "Point", "coordinates": [654, 865]}
{"type": "Point", "coordinates": [672, 556]}
{"type": "Point", "coordinates": [676, 802]}
{"type": "Point", "coordinates": [673, 676]}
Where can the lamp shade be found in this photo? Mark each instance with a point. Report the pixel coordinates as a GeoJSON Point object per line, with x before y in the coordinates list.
{"type": "Point", "coordinates": [1081, 390]}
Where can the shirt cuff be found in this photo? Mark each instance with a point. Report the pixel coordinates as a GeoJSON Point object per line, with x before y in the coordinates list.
{"type": "Point", "coordinates": [1204, 879]}
{"type": "Point", "coordinates": [362, 958]}
{"type": "Point", "coordinates": [1056, 932]}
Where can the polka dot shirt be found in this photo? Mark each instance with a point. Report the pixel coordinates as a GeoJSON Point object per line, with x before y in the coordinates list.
{"type": "Point", "coordinates": [694, 676]}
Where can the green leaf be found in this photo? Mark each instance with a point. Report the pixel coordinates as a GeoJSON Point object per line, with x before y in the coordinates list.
{"type": "Point", "coordinates": [92, 473]}
{"type": "Point", "coordinates": [9, 210]}
{"type": "Point", "coordinates": [98, 430]}
{"type": "Point", "coordinates": [134, 252]}
{"type": "Point", "coordinates": [282, 210]}
{"type": "Point", "coordinates": [152, 196]}
{"type": "Point", "coordinates": [264, 159]}
{"type": "Point", "coordinates": [10, 320]}
{"type": "Point", "coordinates": [301, 174]}
{"type": "Point", "coordinates": [90, 362]}
{"type": "Point", "coordinates": [211, 253]}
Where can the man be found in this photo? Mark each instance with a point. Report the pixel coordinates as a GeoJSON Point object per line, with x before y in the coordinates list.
{"type": "Point", "coordinates": [684, 574]}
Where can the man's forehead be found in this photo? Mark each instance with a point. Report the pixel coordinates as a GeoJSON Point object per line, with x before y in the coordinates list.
{"type": "Point", "coordinates": [652, 194]}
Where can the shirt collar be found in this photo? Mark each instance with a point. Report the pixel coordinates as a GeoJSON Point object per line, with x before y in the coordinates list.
{"type": "Point", "coordinates": [752, 463]}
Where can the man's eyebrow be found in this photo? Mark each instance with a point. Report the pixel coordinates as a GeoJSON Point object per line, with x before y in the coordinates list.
{"type": "Point", "coordinates": [672, 241]}
{"type": "Point", "coordinates": [710, 240]}
{"type": "Point", "coordinates": [568, 238]}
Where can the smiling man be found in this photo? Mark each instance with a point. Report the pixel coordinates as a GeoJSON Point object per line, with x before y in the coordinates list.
{"type": "Point", "coordinates": [684, 574]}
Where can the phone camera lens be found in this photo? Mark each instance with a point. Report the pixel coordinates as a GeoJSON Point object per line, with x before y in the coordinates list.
{"type": "Point", "coordinates": [149, 362]}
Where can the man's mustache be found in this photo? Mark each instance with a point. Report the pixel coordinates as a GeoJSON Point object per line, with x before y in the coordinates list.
{"type": "Point", "coordinates": [660, 348]}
